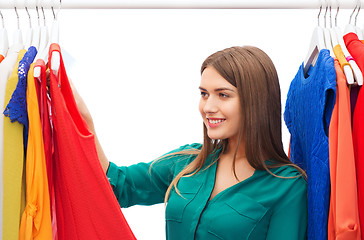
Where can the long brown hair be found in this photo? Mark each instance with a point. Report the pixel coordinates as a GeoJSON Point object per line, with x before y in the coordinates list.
{"type": "Point", "coordinates": [252, 72]}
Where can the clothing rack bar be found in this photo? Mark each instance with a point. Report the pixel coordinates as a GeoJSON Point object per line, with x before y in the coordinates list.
{"type": "Point", "coordinates": [176, 4]}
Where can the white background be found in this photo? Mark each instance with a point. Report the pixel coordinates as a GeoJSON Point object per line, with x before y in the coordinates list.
{"type": "Point", "coordinates": [139, 71]}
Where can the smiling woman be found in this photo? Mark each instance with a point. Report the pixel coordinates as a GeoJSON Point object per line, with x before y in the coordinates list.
{"type": "Point", "coordinates": [239, 182]}
{"type": "Point", "coordinates": [219, 105]}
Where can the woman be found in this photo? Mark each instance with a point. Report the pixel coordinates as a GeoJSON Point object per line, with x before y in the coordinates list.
{"type": "Point", "coordinates": [238, 184]}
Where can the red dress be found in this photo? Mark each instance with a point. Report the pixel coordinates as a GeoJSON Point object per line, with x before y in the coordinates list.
{"type": "Point", "coordinates": [356, 49]}
{"type": "Point", "coordinates": [86, 206]}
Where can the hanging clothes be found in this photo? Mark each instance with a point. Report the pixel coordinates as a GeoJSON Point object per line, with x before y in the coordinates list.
{"type": "Point", "coordinates": [80, 183]}
{"type": "Point", "coordinates": [308, 122]}
{"type": "Point", "coordinates": [12, 156]}
{"type": "Point", "coordinates": [17, 106]}
{"type": "Point", "coordinates": [36, 219]}
{"type": "Point", "coordinates": [343, 220]}
{"type": "Point", "coordinates": [44, 107]}
{"type": "Point", "coordinates": [358, 139]}
{"type": "Point", "coordinates": [6, 68]}
{"type": "Point", "coordinates": [356, 49]}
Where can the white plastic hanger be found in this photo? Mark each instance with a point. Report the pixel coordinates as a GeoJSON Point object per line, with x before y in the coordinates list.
{"type": "Point", "coordinates": [327, 36]}
{"type": "Point", "coordinates": [56, 58]}
{"type": "Point", "coordinates": [350, 27]}
{"type": "Point", "coordinates": [43, 46]}
{"type": "Point", "coordinates": [29, 33]}
{"type": "Point", "coordinates": [316, 45]}
{"type": "Point", "coordinates": [358, 30]}
{"type": "Point", "coordinates": [36, 33]}
{"type": "Point", "coordinates": [18, 36]}
{"type": "Point", "coordinates": [356, 71]}
{"type": "Point", "coordinates": [4, 40]}
{"type": "Point", "coordinates": [54, 38]}
{"type": "Point", "coordinates": [334, 40]}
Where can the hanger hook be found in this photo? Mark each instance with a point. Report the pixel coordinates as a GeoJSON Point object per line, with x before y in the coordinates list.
{"type": "Point", "coordinates": [59, 8]}
{"type": "Point", "coordinates": [44, 18]}
{"type": "Point", "coordinates": [54, 15]}
{"type": "Point", "coordinates": [17, 16]}
{"type": "Point", "coordinates": [36, 8]}
{"type": "Point", "coordinates": [327, 6]}
{"type": "Point", "coordinates": [318, 16]}
{"type": "Point", "coordinates": [352, 13]}
{"type": "Point", "coordinates": [330, 16]}
{"type": "Point", "coordinates": [337, 12]}
{"type": "Point", "coordinates": [2, 17]}
{"type": "Point", "coordinates": [359, 7]}
{"type": "Point", "coordinates": [30, 21]}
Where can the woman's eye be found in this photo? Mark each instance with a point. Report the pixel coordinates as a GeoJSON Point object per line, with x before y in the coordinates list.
{"type": "Point", "coordinates": [203, 94]}
{"type": "Point", "coordinates": [223, 95]}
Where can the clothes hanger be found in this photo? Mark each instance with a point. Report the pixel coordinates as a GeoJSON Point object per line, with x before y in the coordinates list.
{"type": "Point", "coordinates": [350, 27]}
{"type": "Point", "coordinates": [43, 46]}
{"type": "Point", "coordinates": [4, 40]}
{"type": "Point", "coordinates": [316, 45]}
{"type": "Point", "coordinates": [36, 33]}
{"type": "Point", "coordinates": [334, 40]}
{"type": "Point", "coordinates": [29, 33]}
{"type": "Point", "coordinates": [355, 69]}
{"type": "Point", "coordinates": [54, 38]}
{"type": "Point", "coordinates": [17, 36]}
{"type": "Point", "coordinates": [327, 36]}
{"type": "Point", "coordinates": [358, 30]}
{"type": "Point", "coordinates": [56, 58]}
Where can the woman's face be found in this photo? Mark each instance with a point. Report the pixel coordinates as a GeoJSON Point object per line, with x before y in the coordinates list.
{"type": "Point", "coordinates": [219, 105]}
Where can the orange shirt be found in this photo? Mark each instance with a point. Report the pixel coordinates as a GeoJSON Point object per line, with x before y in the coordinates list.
{"type": "Point", "coordinates": [36, 219]}
{"type": "Point", "coordinates": [343, 220]}
{"type": "Point", "coordinates": [1, 58]}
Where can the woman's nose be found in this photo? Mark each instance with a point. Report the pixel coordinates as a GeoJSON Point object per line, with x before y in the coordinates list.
{"type": "Point", "coordinates": [210, 105]}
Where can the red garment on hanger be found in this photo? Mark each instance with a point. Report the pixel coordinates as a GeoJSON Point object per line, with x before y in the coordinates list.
{"type": "Point", "coordinates": [41, 88]}
{"type": "Point", "coordinates": [356, 49]}
{"type": "Point", "coordinates": [44, 110]}
{"type": "Point", "coordinates": [86, 206]}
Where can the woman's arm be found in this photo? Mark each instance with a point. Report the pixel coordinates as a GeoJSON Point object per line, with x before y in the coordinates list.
{"type": "Point", "coordinates": [289, 218]}
{"type": "Point", "coordinates": [82, 108]}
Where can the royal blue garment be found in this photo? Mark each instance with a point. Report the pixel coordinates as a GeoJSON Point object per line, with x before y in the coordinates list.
{"type": "Point", "coordinates": [16, 109]}
{"type": "Point", "coordinates": [309, 106]}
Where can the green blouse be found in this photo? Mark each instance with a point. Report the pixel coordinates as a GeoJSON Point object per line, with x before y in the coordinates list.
{"type": "Point", "coordinates": [261, 207]}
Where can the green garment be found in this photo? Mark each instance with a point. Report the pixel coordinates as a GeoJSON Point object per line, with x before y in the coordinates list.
{"type": "Point", "coordinates": [261, 207]}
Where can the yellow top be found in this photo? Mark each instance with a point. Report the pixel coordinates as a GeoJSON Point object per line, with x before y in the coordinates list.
{"type": "Point", "coordinates": [13, 177]}
{"type": "Point", "coordinates": [36, 220]}
{"type": "Point", "coordinates": [340, 56]}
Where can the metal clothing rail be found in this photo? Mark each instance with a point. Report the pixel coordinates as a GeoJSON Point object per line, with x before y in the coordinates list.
{"type": "Point", "coordinates": [176, 4]}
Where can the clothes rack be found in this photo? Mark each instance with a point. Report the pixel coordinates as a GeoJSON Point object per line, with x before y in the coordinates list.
{"type": "Point", "coordinates": [173, 4]}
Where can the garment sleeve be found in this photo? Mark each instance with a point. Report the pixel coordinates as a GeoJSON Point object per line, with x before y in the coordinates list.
{"type": "Point", "coordinates": [146, 183]}
{"type": "Point", "coordinates": [289, 217]}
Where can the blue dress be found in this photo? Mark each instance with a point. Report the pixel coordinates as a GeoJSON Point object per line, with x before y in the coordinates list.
{"type": "Point", "coordinates": [16, 109]}
{"type": "Point", "coordinates": [309, 105]}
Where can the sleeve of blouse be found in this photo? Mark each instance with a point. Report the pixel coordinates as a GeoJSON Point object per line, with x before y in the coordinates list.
{"type": "Point", "coordinates": [145, 183]}
{"type": "Point", "coordinates": [289, 218]}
